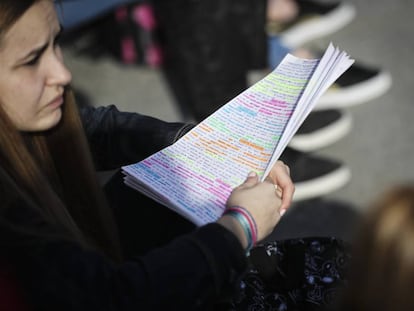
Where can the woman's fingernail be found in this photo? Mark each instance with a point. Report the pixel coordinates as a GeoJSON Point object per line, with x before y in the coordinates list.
{"type": "Point", "coordinates": [282, 212]}
{"type": "Point", "coordinates": [252, 174]}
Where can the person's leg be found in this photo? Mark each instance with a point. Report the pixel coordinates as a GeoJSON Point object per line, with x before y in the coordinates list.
{"type": "Point", "coordinates": [298, 22]}
{"type": "Point", "coordinates": [276, 51]}
{"type": "Point", "coordinates": [209, 47]}
{"type": "Point", "coordinates": [282, 11]}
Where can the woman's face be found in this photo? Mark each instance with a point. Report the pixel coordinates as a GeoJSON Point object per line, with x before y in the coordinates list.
{"type": "Point", "coordinates": [32, 73]}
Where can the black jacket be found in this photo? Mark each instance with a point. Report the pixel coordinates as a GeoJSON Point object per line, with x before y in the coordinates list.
{"type": "Point", "coordinates": [192, 272]}
{"type": "Point", "coordinates": [120, 138]}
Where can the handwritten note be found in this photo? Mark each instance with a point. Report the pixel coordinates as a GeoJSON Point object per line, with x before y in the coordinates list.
{"type": "Point", "coordinates": [196, 175]}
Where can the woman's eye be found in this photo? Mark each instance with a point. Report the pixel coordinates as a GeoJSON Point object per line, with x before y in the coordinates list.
{"type": "Point", "coordinates": [33, 61]}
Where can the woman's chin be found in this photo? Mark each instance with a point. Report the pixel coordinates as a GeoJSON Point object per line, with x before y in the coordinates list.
{"type": "Point", "coordinates": [52, 121]}
{"type": "Point", "coordinates": [44, 124]}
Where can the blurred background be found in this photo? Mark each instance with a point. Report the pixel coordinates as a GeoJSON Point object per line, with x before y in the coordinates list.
{"type": "Point", "coordinates": [379, 149]}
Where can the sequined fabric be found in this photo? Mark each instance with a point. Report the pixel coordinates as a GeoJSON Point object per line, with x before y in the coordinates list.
{"type": "Point", "coordinates": [299, 274]}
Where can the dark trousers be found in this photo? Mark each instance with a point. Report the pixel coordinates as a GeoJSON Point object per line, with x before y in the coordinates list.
{"type": "Point", "coordinates": [209, 48]}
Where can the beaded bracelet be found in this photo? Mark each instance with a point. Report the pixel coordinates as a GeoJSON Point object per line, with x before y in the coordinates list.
{"type": "Point", "coordinates": [247, 222]}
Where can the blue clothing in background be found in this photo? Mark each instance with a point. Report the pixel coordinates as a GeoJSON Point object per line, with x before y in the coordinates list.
{"type": "Point", "coordinates": [73, 13]}
{"type": "Point", "coordinates": [276, 51]}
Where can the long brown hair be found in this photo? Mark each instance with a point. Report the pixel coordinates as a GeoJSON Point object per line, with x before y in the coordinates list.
{"type": "Point", "coordinates": [382, 270]}
{"type": "Point", "coordinates": [54, 169]}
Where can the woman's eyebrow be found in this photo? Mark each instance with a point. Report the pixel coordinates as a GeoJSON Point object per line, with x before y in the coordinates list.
{"type": "Point", "coordinates": [35, 52]}
{"type": "Point", "coordinates": [39, 50]}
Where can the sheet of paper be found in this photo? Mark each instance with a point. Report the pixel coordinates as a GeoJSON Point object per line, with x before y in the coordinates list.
{"type": "Point", "coordinates": [196, 175]}
{"type": "Point", "coordinates": [331, 66]}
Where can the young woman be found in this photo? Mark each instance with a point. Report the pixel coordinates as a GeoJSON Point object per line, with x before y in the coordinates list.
{"type": "Point", "coordinates": [59, 237]}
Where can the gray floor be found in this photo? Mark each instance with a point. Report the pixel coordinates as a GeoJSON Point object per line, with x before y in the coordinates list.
{"type": "Point", "coordinates": [380, 148]}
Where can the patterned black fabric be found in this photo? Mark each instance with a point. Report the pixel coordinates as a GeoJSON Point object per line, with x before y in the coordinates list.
{"type": "Point", "coordinates": [298, 274]}
{"type": "Point", "coordinates": [286, 275]}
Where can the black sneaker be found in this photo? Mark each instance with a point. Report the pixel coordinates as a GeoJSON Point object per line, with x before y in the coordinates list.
{"type": "Point", "coordinates": [314, 20]}
{"type": "Point", "coordinates": [314, 176]}
{"type": "Point", "coordinates": [359, 84]}
{"type": "Point", "coordinates": [322, 128]}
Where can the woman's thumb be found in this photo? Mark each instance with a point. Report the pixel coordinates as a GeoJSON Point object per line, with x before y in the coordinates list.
{"type": "Point", "coordinates": [251, 179]}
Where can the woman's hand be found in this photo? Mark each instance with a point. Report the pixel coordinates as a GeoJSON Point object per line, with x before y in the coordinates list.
{"type": "Point", "coordinates": [262, 200]}
{"type": "Point", "coordinates": [280, 176]}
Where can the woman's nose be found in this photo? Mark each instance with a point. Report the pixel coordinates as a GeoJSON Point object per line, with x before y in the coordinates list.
{"type": "Point", "coordinates": [58, 74]}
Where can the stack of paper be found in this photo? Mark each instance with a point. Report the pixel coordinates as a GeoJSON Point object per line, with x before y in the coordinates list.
{"type": "Point", "coordinates": [196, 175]}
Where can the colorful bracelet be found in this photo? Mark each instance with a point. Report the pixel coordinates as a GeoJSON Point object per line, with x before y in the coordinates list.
{"type": "Point", "coordinates": [247, 222]}
{"type": "Point", "coordinates": [249, 218]}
